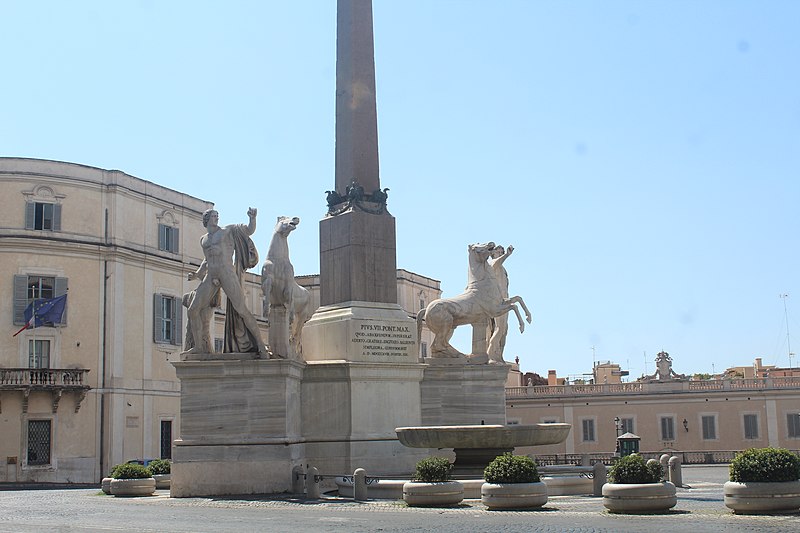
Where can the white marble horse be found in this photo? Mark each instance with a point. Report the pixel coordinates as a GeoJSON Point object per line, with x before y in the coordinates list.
{"type": "Point", "coordinates": [480, 301]}
{"type": "Point", "coordinates": [279, 287]}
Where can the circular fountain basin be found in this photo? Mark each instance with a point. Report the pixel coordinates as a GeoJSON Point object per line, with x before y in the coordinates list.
{"type": "Point", "coordinates": [494, 436]}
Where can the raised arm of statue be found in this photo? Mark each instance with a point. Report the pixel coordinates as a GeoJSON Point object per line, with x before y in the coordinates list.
{"type": "Point", "coordinates": [499, 261]}
{"type": "Point", "coordinates": [251, 228]}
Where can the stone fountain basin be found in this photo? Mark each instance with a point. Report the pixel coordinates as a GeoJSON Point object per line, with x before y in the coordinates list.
{"type": "Point", "coordinates": [493, 436]}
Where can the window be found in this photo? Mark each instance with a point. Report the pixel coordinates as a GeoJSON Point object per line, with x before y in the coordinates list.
{"type": "Point", "coordinates": [38, 353]}
{"type": "Point", "coordinates": [219, 344]}
{"type": "Point", "coordinates": [166, 439]}
{"type": "Point", "coordinates": [30, 288]}
{"type": "Point", "coordinates": [588, 429]}
{"type": "Point", "coordinates": [423, 346]}
{"type": "Point", "coordinates": [751, 426]}
{"type": "Point", "coordinates": [626, 425]}
{"type": "Point", "coordinates": [667, 428]}
{"type": "Point", "coordinates": [709, 427]}
{"type": "Point", "coordinates": [793, 422]}
{"type": "Point", "coordinates": [43, 216]}
{"type": "Point", "coordinates": [39, 435]}
{"type": "Point", "coordinates": [167, 315]}
{"type": "Point", "coordinates": [167, 238]}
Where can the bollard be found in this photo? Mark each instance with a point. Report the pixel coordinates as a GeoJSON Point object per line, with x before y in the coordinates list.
{"type": "Point", "coordinates": [664, 460]}
{"type": "Point", "coordinates": [312, 483]}
{"type": "Point", "coordinates": [599, 480]}
{"type": "Point", "coordinates": [675, 474]}
{"type": "Point", "coordinates": [360, 485]}
{"type": "Point", "coordinates": [298, 480]}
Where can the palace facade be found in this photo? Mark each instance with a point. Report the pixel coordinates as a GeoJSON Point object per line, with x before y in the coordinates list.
{"type": "Point", "coordinates": [99, 388]}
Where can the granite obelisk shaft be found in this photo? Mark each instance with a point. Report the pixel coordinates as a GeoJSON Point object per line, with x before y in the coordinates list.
{"type": "Point", "coordinates": [357, 247]}
{"type": "Point", "coordinates": [356, 116]}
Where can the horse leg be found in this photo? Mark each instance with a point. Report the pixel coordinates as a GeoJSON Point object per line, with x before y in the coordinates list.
{"type": "Point", "coordinates": [519, 318]}
{"type": "Point", "coordinates": [520, 301]}
{"type": "Point", "coordinates": [266, 289]}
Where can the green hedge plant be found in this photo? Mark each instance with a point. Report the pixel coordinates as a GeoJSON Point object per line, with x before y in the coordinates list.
{"type": "Point", "coordinates": [433, 470]}
{"type": "Point", "coordinates": [508, 468]}
{"type": "Point", "coordinates": [633, 469]}
{"type": "Point", "coordinates": [159, 467]}
{"type": "Point", "coordinates": [113, 469]}
{"type": "Point", "coordinates": [765, 465]}
{"type": "Point", "coordinates": [130, 471]}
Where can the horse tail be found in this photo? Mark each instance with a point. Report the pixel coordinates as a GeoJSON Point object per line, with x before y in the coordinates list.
{"type": "Point", "coordinates": [420, 320]}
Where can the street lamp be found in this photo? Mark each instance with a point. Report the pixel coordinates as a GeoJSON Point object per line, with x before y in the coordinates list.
{"type": "Point", "coordinates": [618, 426]}
{"type": "Point", "coordinates": [686, 424]}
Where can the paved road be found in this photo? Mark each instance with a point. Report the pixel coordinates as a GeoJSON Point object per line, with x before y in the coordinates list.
{"type": "Point", "coordinates": [700, 509]}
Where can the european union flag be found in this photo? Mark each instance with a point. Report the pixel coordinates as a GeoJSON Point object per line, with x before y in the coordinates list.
{"type": "Point", "coordinates": [45, 312]}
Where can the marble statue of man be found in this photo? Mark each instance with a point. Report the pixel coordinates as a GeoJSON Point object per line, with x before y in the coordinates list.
{"type": "Point", "coordinates": [218, 271]}
{"type": "Point", "coordinates": [498, 326]}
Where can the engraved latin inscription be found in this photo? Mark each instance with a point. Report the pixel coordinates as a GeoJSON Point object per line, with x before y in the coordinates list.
{"type": "Point", "coordinates": [384, 340]}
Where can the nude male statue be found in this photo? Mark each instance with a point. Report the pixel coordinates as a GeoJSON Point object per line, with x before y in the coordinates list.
{"type": "Point", "coordinates": [218, 271]}
{"type": "Point", "coordinates": [498, 327]}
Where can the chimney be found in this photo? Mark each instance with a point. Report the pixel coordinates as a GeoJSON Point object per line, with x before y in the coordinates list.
{"type": "Point", "coordinates": [551, 378]}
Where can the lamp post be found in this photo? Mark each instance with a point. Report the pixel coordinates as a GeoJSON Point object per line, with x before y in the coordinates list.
{"type": "Point", "coordinates": [618, 427]}
{"type": "Point", "coordinates": [686, 424]}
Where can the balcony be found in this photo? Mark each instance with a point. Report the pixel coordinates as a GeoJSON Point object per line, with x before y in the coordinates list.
{"type": "Point", "coordinates": [56, 381]}
{"type": "Point", "coordinates": [653, 387]}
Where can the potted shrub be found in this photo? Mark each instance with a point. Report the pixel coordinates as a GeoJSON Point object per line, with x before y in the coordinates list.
{"type": "Point", "coordinates": [763, 480]}
{"type": "Point", "coordinates": [160, 470]}
{"type": "Point", "coordinates": [431, 485]}
{"type": "Point", "coordinates": [105, 484]}
{"type": "Point", "coordinates": [132, 480]}
{"type": "Point", "coordinates": [635, 487]}
{"type": "Point", "coordinates": [512, 482]}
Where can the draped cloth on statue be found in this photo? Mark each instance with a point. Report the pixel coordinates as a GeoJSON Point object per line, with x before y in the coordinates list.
{"type": "Point", "coordinates": [237, 338]}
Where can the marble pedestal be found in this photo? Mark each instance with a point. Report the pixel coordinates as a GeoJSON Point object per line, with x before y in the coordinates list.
{"type": "Point", "coordinates": [362, 381]}
{"type": "Point", "coordinates": [463, 394]}
{"type": "Point", "coordinates": [240, 426]}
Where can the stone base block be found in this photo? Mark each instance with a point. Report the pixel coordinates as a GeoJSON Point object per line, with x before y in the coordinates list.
{"type": "Point", "coordinates": [361, 332]}
{"type": "Point", "coordinates": [233, 469]}
{"type": "Point", "coordinates": [454, 395]}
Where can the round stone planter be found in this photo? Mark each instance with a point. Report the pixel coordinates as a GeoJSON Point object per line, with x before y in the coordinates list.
{"type": "Point", "coordinates": [762, 498]}
{"type": "Point", "coordinates": [133, 487]}
{"type": "Point", "coordinates": [442, 494]}
{"type": "Point", "coordinates": [162, 481]}
{"type": "Point", "coordinates": [513, 495]}
{"type": "Point", "coordinates": [105, 485]}
{"type": "Point", "coordinates": [639, 498]}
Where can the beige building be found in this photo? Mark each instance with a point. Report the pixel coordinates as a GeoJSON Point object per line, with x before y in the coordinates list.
{"type": "Point", "coordinates": [99, 388]}
{"type": "Point", "coordinates": [673, 415]}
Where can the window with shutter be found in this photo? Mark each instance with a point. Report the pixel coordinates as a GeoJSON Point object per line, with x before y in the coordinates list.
{"type": "Point", "coordinates": [667, 428]}
{"type": "Point", "coordinates": [750, 426]}
{"type": "Point", "coordinates": [709, 427]}
{"type": "Point", "coordinates": [43, 216]}
{"type": "Point", "coordinates": [28, 288]}
{"type": "Point", "coordinates": [167, 318]}
{"type": "Point", "coordinates": [588, 430]}
{"type": "Point", "coordinates": [793, 424]}
{"type": "Point", "coordinates": [168, 238]}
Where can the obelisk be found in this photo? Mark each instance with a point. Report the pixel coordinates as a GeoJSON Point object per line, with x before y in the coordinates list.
{"type": "Point", "coordinates": [362, 378]}
{"type": "Point", "coordinates": [357, 238]}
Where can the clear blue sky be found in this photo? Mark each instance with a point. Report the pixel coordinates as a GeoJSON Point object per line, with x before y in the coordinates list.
{"type": "Point", "coordinates": [643, 157]}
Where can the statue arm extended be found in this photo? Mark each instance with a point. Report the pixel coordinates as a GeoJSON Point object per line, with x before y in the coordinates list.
{"type": "Point", "coordinates": [200, 272]}
{"type": "Point", "coordinates": [499, 261]}
{"type": "Point", "coordinates": [251, 227]}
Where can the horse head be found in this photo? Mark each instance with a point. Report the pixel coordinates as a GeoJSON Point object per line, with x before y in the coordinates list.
{"type": "Point", "coordinates": [481, 252]}
{"type": "Point", "coordinates": [286, 225]}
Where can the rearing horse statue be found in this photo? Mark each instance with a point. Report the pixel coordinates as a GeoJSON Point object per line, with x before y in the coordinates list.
{"type": "Point", "coordinates": [480, 301]}
{"type": "Point", "coordinates": [279, 287]}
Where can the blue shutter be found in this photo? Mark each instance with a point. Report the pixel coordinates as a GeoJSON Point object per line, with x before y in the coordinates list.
{"type": "Point", "coordinates": [60, 289]}
{"type": "Point", "coordinates": [157, 318]}
{"type": "Point", "coordinates": [177, 316]}
{"type": "Point", "coordinates": [56, 217]}
{"type": "Point", "coordinates": [175, 240]}
{"type": "Point", "coordinates": [162, 237]}
{"type": "Point", "coordinates": [20, 299]}
{"type": "Point", "coordinates": [30, 215]}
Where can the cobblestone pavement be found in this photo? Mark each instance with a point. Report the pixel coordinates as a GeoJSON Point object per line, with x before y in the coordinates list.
{"type": "Point", "coordinates": [700, 509]}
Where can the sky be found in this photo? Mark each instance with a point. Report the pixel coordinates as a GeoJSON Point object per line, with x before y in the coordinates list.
{"type": "Point", "coordinates": [643, 157]}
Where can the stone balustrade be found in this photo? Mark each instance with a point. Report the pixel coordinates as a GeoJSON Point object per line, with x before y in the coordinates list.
{"type": "Point", "coordinates": [20, 377]}
{"type": "Point", "coordinates": [534, 391]}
